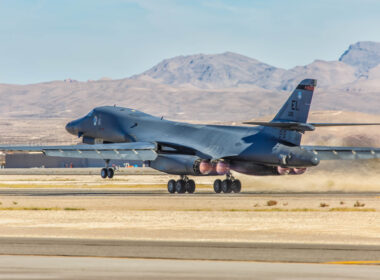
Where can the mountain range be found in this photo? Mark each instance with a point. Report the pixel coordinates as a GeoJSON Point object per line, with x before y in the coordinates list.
{"type": "Point", "coordinates": [216, 87]}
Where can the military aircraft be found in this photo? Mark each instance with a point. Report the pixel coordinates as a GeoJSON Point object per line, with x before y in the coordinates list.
{"type": "Point", "coordinates": [267, 148]}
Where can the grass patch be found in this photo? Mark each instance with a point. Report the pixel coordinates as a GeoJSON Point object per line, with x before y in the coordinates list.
{"type": "Point", "coordinates": [73, 209]}
{"type": "Point", "coordinates": [286, 210]}
{"type": "Point", "coordinates": [40, 209]}
{"type": "Point", "coordinates": [266, 210]}
{"type": "Point", "coordinates": [347, 209]}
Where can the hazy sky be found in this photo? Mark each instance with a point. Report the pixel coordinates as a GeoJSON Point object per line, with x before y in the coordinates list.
{"type": "Point", "coordinates": [43, 40]}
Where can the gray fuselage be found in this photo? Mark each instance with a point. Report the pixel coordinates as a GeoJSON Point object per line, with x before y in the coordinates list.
{"type": "Point", "coordinates": [257, 145]}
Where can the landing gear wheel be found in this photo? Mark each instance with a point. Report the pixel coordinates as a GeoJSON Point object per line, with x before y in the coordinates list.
{"type": "Point", "coordinates": [171, 186]}
{"type": "Point", "coordinates": [218, 186]}
{"type": "Point", "coordinates": [227, 186]}
{"type": "Point", "coordinates": [180, 186]}
{"type": "Point", "coordinates": [190, 186]}
{"type": "Point", "coordinates": [236, 186]}
{"type": "Point", "coordinates": [110, 173]}
{"type": "Point", "coordinates": [104, 173]}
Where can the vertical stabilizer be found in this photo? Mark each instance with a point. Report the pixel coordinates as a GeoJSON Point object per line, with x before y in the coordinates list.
{"type": "Point", "coordinates": [296, 109]}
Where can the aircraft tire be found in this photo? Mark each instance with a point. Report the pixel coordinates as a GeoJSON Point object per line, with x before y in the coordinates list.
{"type": "Point", "coordinates": [190, 186]}
{"type": "Point", "coordinates": [227, 186]}
{"type": "Point", "coordinates": [171, 186]}
{"type": "Point", "coordinates": [180, 186]}
{"type": "Point", "coordinates": [110, 173]}
{"type": "Point", "coordinates": [236, 186]}
{"type": "Point", "coordinates": [104, 173]}
{"type": "Point", "coordinates": [218, 186]}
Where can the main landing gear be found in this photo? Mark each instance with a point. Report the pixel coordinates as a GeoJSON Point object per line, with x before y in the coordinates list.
{"type": "Point", "coordinates": [107, 171]}
{"type": "Point", "coordinates": [230, 184]}
{"type": "Point", "coordinates": [182, 185]}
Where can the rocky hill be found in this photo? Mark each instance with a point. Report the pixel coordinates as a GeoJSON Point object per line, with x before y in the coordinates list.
{"type": "Point", "coordinates": [363, 56]}
{"type": "Point", "coordinates": [231, 70]}
{"type": "Point", "coordinates": [220, 87]}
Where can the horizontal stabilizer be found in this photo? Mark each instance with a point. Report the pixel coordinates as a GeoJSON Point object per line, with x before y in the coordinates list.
{"type": "Point", "coordinates": [341, 124]}
{"type": "Point", "coordinates": [344, 153]}
{"type": "Point", "coordinates": [285, 125]}
{"type": "Point", "coordinates": [302, 127]}
{"type": "Point", "coordinates": [122, 151]}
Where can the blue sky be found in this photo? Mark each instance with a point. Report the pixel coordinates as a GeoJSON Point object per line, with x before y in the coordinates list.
{"type": "Point", "coordinates": [43, 40]}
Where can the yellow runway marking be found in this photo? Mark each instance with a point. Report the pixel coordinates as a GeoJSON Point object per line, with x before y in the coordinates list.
{"type": "Point", "coordinates": [355, 262]}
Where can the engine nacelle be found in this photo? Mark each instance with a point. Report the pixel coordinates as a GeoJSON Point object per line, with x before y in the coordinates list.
{"type": "Point", "coordinates": [183, 165]}
{"type": "Point", "coordinates": [297, 158]}
{"type": "Point", "coordinates": [250, 168]}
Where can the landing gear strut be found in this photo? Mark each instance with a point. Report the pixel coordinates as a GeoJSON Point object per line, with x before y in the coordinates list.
{"type": "Point", "coordinates": [230, 184]}
{"type": "Point", "coordinates": [182, 185]}
{"type": "Point", "coordinates": [107, 171]}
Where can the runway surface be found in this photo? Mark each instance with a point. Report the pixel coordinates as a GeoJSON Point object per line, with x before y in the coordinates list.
{"type": "Point", "coordinates": [40, 267]}
{"type": "Point", "coordinates": [235, 251]}
{"type": "Point", "coordinates": [130, 192]}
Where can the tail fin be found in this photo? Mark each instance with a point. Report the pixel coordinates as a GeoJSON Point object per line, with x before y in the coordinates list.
{"type": "Point", "coordinates": [296, 108]}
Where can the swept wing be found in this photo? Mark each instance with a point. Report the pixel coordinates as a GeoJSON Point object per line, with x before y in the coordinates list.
{"type": "Point", "coordinates": [123, 151]}
{"type": "Point", "coordinates": [343, 153]}
{"type": "Point", "coordinates": [302, 127]}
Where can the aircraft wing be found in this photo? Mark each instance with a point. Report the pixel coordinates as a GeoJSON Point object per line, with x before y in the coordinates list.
{"type": "Point", "coordinates": [302, 127]}
{"type": "Point", "coordinates": [344, 153]}
{"type": "Point", "coordinates": [123, 151]}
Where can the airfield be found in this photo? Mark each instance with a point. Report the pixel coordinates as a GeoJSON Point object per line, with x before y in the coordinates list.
{"type": "Point", "coordinates": [322, 224]}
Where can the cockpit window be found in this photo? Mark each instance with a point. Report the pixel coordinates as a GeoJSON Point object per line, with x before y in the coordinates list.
{"type": "Point", "coordinates": [90, 114]}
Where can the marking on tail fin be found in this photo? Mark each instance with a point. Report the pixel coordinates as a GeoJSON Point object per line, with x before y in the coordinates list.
{"type": "Point", "coordinates": [294, 105]}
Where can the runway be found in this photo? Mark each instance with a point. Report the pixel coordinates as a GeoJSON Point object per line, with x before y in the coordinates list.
{"type": "Point", "coordinates": [40, 267]}
{"type": "Point", "coordinates": [133, 192]}
{"type": "Point", "coordinates": [194, 250]}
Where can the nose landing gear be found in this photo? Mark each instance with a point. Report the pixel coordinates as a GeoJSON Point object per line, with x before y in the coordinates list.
{"type": "Point", "coordinates": [107, 171]}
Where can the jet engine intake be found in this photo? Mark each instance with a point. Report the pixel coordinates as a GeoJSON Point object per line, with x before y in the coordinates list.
{"type": "Point", "coordinates": [298, 159]}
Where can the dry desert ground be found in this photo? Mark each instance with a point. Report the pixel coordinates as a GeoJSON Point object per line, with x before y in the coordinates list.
{"type": "Point", "coordinates": [319, 207]}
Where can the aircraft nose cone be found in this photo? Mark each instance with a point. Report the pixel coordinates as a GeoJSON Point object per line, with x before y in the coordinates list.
{"type": "Point", "coordinates": [72, 128]}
